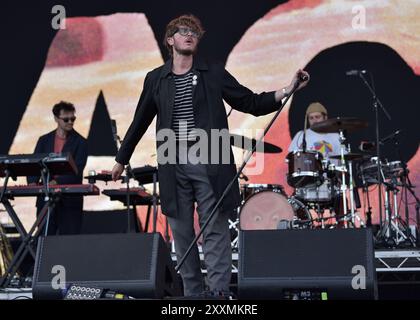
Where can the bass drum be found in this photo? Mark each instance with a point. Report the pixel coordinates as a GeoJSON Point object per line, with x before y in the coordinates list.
{"type": "Point", "coordinates": [269, 210]}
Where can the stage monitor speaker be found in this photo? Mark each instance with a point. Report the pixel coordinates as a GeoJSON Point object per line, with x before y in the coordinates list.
{"type": "Point", "coordinates": [307, 264]}
{"type": "Point", "coordinates": [137, 265]}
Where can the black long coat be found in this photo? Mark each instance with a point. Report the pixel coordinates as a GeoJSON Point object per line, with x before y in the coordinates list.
{"type": "Point", "coordinates": [214, 84]}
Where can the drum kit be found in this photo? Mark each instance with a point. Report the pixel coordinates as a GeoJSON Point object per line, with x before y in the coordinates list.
{"type": "Point", "coordinates": [325, 193]}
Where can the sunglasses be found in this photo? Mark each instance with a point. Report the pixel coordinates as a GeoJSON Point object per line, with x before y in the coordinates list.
{"type": "Point", "coordinates": [72, 119]}
{"type": "Point", "coordinates": [183, 31]}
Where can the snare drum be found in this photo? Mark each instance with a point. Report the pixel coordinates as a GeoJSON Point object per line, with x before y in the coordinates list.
{"type": "Point", "coordinates": [304, 168]}
{"type": "Point", "coordinates": [268, 209]}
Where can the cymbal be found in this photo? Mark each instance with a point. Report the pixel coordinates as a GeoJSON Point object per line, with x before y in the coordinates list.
{"type": "Point", "coordinates": [336, 124]}
{"type": "Point", "coordinates": [352, 156]}
{"type": "Point", "coordinates": [248, 143]}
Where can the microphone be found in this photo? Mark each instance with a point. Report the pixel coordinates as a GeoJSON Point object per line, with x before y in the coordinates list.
{"type": "Point", "coordinates": [355, 72]}
{"type": "Point", "coordinates": [389, 137]}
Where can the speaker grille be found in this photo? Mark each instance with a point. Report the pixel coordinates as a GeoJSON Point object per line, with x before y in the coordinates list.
{"type": "Point", "coordinates": [290, 253]}
{"type": "Point", "coordinates": [275, 264]}
{"type": "Point", "coordinates": [138, 265]}
{"type": "Point", "coordinates": [96, 257]}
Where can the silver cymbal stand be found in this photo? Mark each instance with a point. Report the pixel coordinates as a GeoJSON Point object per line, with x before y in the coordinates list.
{"type": "Point", "coordinates": [343, 170]}
{"type": "Point", "coordinates": [354, 214]}
{"type": "Point", "coordinates": [351, 193]}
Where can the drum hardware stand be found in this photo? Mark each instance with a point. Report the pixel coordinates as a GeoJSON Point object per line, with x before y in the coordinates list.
{"type": "Point", "coordinates": [320, 214]}
{"type": "Point", "coordinates": [351, 192]}
{"type": "Point", "coordinates": [393, 232]}
{"type": "Point", "coordinates": [369, 211]}
{"type": "Point", "coordinates": [353, 215]}
{"type": "Point", "coordinates": [376, 104]}
{"type": "Point", "coordinates": [333, 215]}
{"type": "Point", "coordinates": [322, 219]}
{"type": "Point", "coordinates": [239, 172]}
{"type": "Point", "coordinates": [334, 182]}
{"type": "Point", "coordinates": [343, 170]}
{"type": "Point", "coordinates": [321, 211]}
{"type": "Point", "coordinates": [406, 187]}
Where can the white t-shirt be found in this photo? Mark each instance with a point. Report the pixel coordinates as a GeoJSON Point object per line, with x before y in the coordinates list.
{"type": "Point", "coordinates": [327, 144]}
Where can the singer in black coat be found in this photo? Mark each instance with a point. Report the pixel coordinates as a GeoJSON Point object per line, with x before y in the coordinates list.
{"type": "Point", "coordinates": [67, 217]}
{"type": "Point", "coordinates": [214, 84]}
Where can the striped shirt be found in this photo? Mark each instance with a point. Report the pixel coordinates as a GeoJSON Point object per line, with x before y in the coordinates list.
{"type": "Point", "coordinates": [182, 114]}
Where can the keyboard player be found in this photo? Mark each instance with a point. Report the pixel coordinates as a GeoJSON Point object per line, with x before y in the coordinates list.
{"type": "Point", "coordinates": [67, 216]}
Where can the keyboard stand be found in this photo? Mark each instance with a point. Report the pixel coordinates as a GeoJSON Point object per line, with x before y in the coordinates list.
{"type": "Point", "coordinates": [29, 239]}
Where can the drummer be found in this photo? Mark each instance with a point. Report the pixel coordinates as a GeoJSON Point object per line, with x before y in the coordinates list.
{"type": "Point", "coordinates": [327, 144]}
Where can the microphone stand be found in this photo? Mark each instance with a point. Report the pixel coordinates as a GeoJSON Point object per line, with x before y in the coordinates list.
{"type": "Point", "coordinates": [376, 104]}
{"type": "Point", "coordinates": [304, 136]}
{"type": "Point", "coordinates": [235, 178]}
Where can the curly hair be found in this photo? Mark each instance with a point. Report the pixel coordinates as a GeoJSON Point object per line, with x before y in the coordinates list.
{"type": "Point", "coordinates": [187, 20]}
{"type": "Point", "coordinates": [63, 105]}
